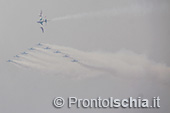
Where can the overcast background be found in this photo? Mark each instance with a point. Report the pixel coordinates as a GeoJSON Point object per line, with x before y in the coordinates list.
{"type": "Point", "coordinates": [144, 31]}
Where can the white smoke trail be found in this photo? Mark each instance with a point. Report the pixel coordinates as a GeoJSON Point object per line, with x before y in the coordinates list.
{"type": "Point", "coordinates": [71, 62]}
{"type": "Point", "coordinates": [133, 9]}
{"type": "Point", "coordinates": [90, 14]}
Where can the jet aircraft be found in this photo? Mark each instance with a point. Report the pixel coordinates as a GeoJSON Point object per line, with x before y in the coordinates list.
{"type": "Point", "coordinates": [41, 21]}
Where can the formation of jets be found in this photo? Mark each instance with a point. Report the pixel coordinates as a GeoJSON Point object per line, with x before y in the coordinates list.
{"type": "Point", "coordinates": [41, 21]}
{"type": "Point", "coordinates": [39, 44]}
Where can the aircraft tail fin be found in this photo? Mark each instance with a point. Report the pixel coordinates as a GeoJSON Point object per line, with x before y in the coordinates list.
{"type": "Point", "coordinates": [42, 29]}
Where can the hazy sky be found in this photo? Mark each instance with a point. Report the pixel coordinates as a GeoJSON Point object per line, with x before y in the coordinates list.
{"type": "Point", "coordinates": [141, 27]}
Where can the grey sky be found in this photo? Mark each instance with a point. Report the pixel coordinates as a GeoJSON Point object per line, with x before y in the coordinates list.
{"type": "Point", "coordinates": [144, 32]}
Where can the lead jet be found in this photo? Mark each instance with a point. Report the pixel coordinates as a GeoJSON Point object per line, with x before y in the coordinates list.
{"type": "Point", "coordinates": [41, 21]}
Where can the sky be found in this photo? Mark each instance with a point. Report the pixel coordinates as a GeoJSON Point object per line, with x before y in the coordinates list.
{"type": "Point", "coordinates": [122, 48]}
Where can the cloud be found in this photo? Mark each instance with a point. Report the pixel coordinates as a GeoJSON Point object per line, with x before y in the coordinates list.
{"type": "Point", "coordinates": [69, 62]}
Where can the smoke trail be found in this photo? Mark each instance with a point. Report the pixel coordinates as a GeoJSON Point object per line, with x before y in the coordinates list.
{"type": "Point", "coordinates": [90, 14]}
{"type": "Point", "coordinates": [70, 62]}
{"type": "Point", "coordinates": [133, 9]}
